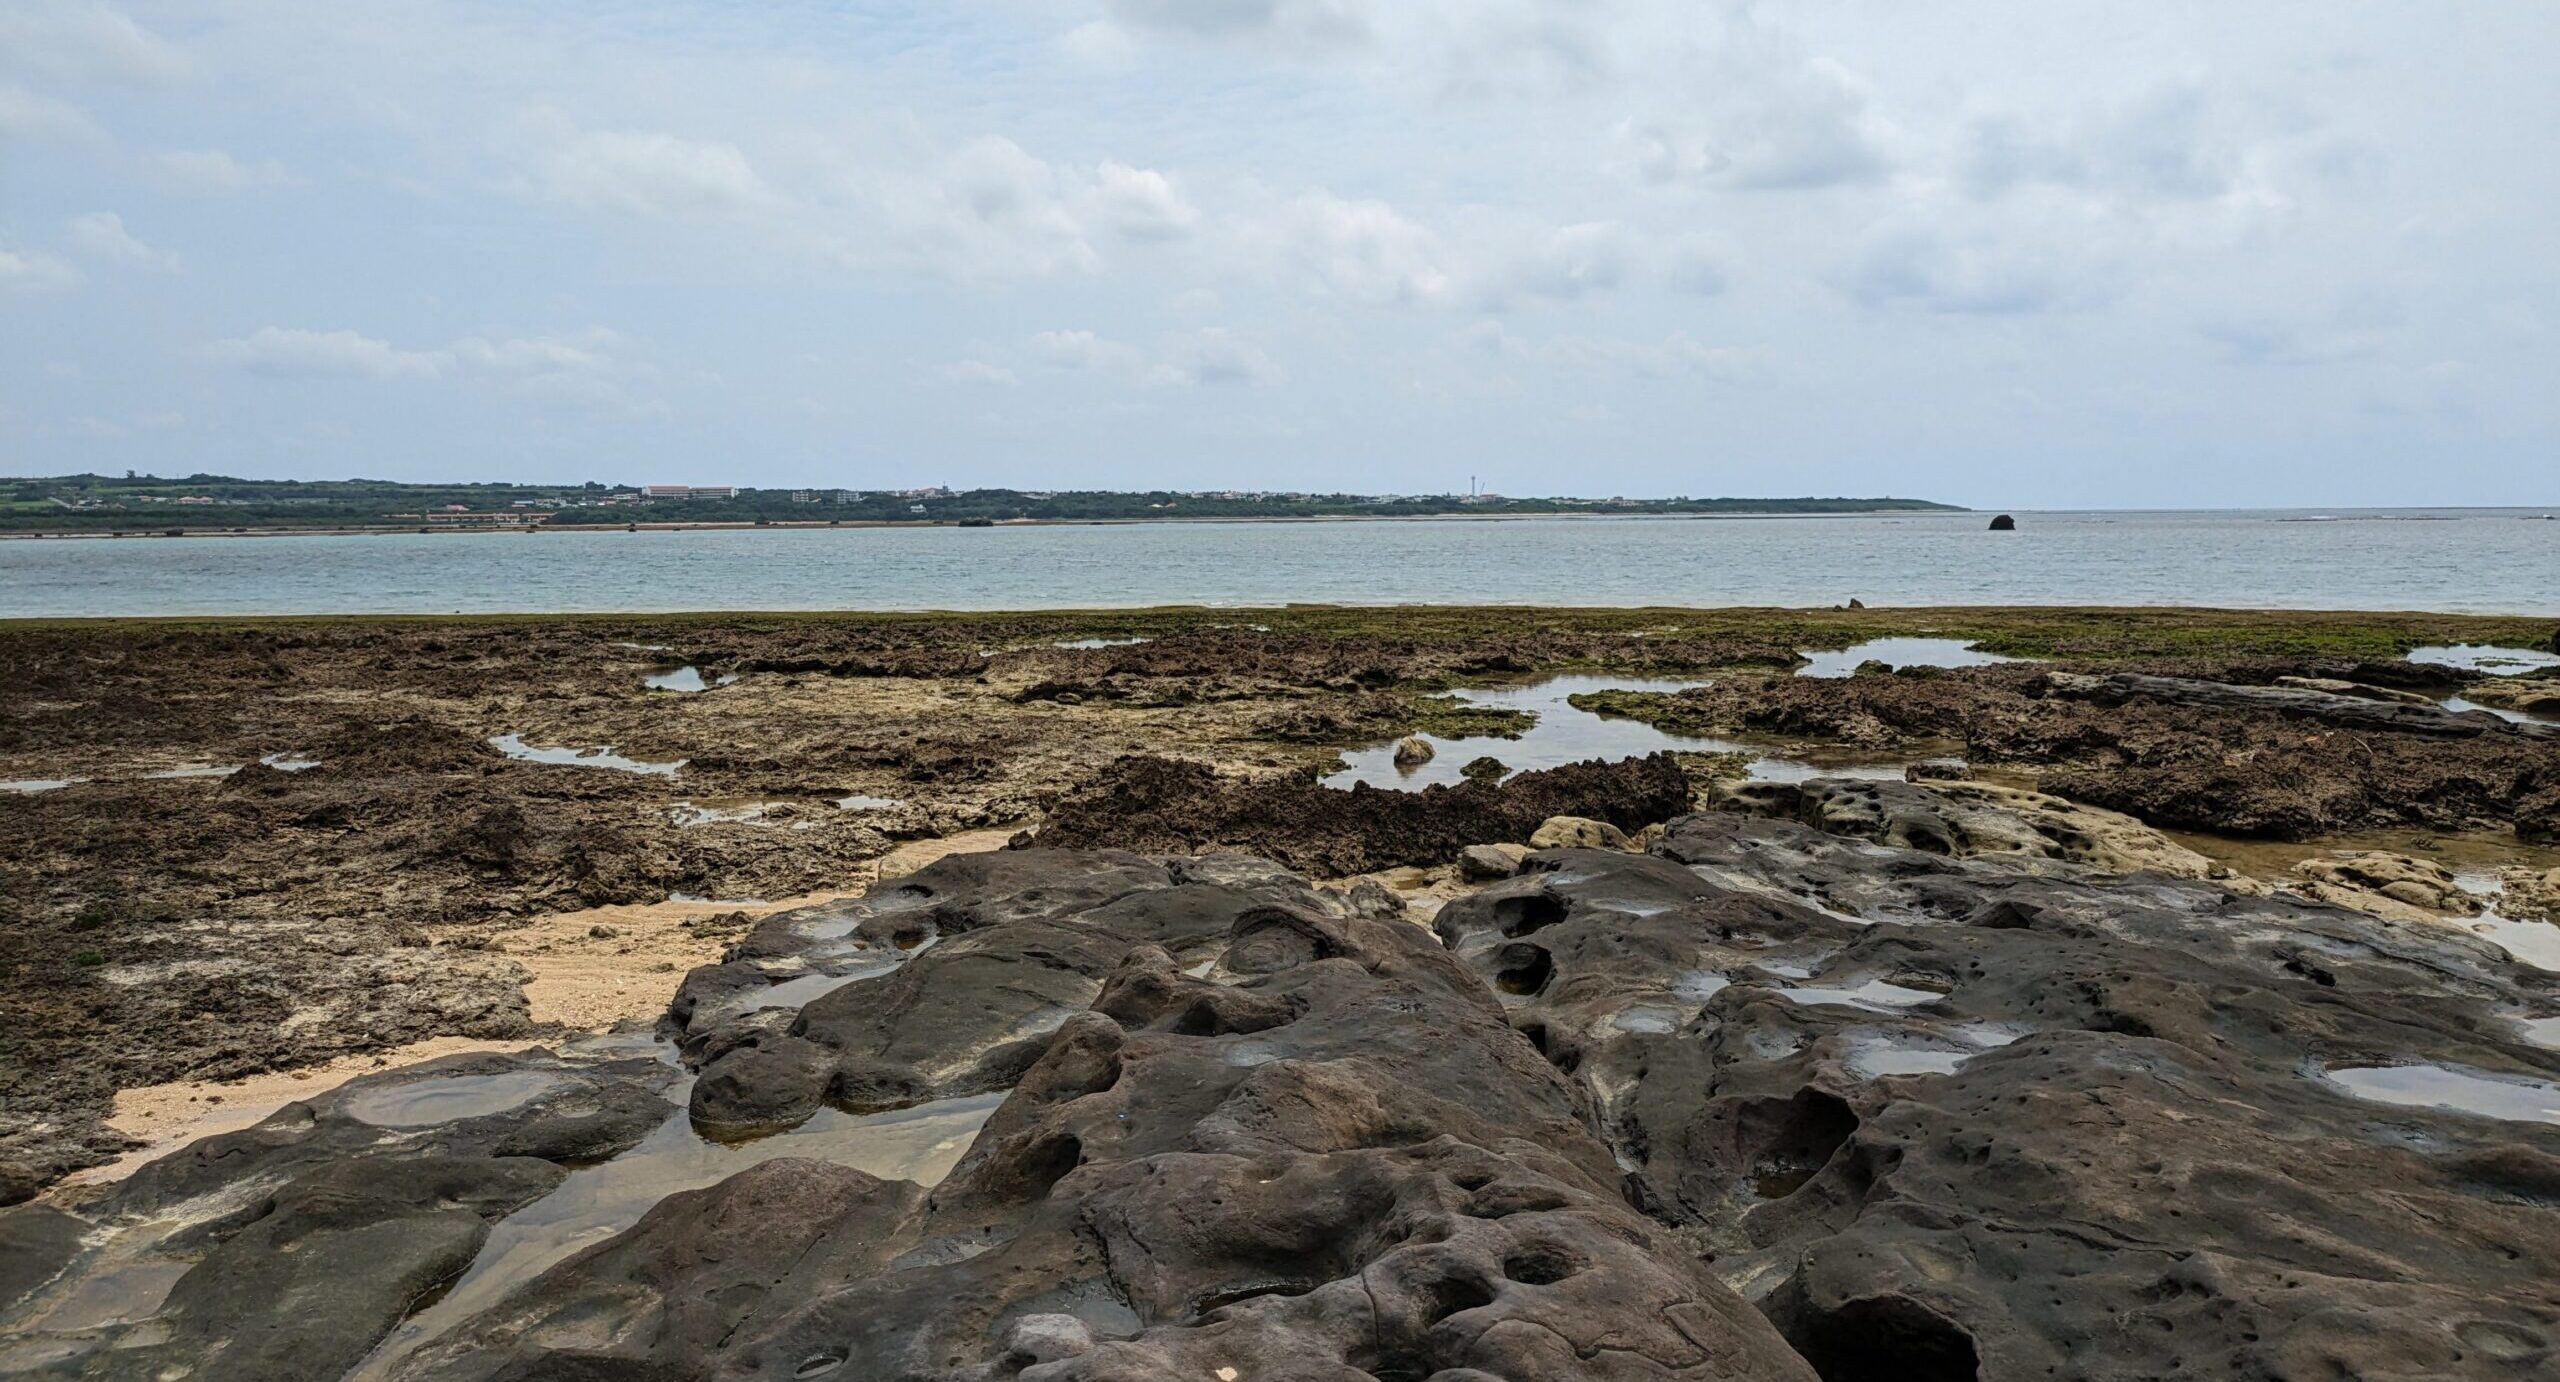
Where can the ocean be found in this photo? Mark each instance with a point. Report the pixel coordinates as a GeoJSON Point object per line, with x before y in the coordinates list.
{"type": "Point", "coordinates": [2444, 560]}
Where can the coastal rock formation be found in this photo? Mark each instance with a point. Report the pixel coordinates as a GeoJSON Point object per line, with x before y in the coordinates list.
{"type": "Point", "coordinates": [1965, 819]}
{"type": "Point", "coordinates": [1951, 1118]}
{"type": "Point", "coordinates": [1412, 751]}
{"type": "Point", "coordinates": [2528, 695]}
{"type": "Point", "coordinates": [2174, 752]}
{"type": "Point", "coordinates": [1773, 1100]}
{"type": "Point", "coordinates": [2386, 884]}
{"type": "Point", "coordinates": [288, 1249]}
{"type": "Point", "coordinates": [1157, 805]}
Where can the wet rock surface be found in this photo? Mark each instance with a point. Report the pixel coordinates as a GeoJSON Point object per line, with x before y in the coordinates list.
{"type": "Point", "coordinates": [289, 1248]}
{"type": "Point", "coordinates": [1977, 1117]}
{"type": "Point", "coordinates": [1782, 1097]}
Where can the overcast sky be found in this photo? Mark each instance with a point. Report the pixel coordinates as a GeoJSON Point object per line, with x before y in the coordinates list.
{"type": "Point", "coordinates": [2016, 254]}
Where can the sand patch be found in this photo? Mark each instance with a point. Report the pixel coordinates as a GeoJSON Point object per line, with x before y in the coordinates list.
{"type": "Point", "coordinates": [168, 1116]}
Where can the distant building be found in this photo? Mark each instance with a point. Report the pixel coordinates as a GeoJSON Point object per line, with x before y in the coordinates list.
{"type": "Point", "coordinates": [713, 492]}
{"type": "Point", "coordinates": [689, 491]}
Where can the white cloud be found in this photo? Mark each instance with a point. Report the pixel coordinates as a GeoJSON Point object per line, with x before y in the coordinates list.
{"type": "Point", "coordinates": [212, 170]}
{"type": "Point", "coordinates": [1215, 356]}
{"type": "Point", "coordinates": [1083, 350]}
{"type": "Point", "coordinates": [1778, 124]}
{"type": "Point", "coordinates": [1365, 251]}
{"type": "Point", "coordinates": [1306, 25]}
{"type": "Point", "coordinates": [287, 352]}
{"type": "Point", "coordinates": [1143, 204]}
{"type": "Point", "coordinates": [85, 42]}
{"type": "Point", "coordinates": [980, 372]}
{"type": "Point", "coordinates": [1677, 353]}
{"type": "Point", "coordinates": [29, 116]}
{"type": "Point", "coordinates": [34, 271]}
{"type": "Point", "coordinates": [656, 174]}
{"type": "Point", "coordinates": [100, 236]}
{"type": "Point", "coordinates": [1211, 355]}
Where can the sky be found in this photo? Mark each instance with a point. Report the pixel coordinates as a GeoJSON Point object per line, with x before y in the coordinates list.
{"type": "Point", "coordinates": [2054, 254]}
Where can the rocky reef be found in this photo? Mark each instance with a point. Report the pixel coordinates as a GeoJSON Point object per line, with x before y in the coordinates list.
{"type": "Point", "coordinates": [1859, 1080]}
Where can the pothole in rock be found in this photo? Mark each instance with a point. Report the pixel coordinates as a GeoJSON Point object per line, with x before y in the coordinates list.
{"type": "Point", "coordinates": [2512, 1098]}
{"type": "Point", "coordinates": [514, 746]}
{"type": "Point", "coordinates": [1897, 653]}
{"type": "Point", "coordinates": [1874, 993]}
{"type": "Point", "coordinates": [920, 1144]}
{"type": "Point", "coordinates": [421, 1103]}
{"type": "Point", "coordinates": [1877, 1055]}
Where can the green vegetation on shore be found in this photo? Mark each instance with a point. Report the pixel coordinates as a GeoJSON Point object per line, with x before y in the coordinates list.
{"type": "Point", "coordinates": [140, 503]}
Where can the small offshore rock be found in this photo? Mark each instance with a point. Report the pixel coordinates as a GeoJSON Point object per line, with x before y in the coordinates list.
{"type": "Point", "coordinates": [1856, 603]}
{"type": "Point", "coordinates": [1577, 832]}
{"type": "Point", "coordinates": [1485, 769]}
{"type": "Point", "coordinates": [1412, 751]}
{"type": "Point", "coordinates": [2004, 524]}
{"type": "Point", "coordinates": [1490, 863]}
{"type": "Point", "coordinates": [1872, 667]}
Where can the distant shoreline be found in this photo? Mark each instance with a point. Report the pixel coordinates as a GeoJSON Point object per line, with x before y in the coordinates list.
{"type": "Point", "coordinates": [165, 532]}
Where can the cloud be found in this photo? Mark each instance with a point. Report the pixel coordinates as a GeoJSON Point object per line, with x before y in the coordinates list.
{"type": "Point", "coordinates": [980, 372]}
{"type": "Point", "coordinates": [1298, 25]}
{"type": "Point", "coordinates": [656, 174]}
{"type": "Point", "coordinates": [2173, 143]}
{"type": "Point", "coordinates": [1143, 204]}
{"type": "Point", "coordinates": [292, 353]}
{"type": "Point", "coordinates": [34, 271]}
{"type": "Point", "coordinates": [1083, 350]}
{"type": "Point", "coordinates": [212, 170]}
{"type": "Point", "coordinates": [1215, 356]}
{"type": "Point", "coordinates": [1919, 269]}
{"type": "Point", "coordinates": [100, 236]}
{"type": "Point", "coordinates": [85, 42]}
{"type": "Point", "coordinates": [1777, 130]}
{"type": "Point", "coordinates": [28, 116]}
{"type": "Point", "coordinates": [1365, 251]}
{"type": "Point", "coordinates": [1212, 355]}
{"type": "Point", "coordinates": [1676, 354]}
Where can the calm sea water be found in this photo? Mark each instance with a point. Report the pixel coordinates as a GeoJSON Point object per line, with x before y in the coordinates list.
{"type": "Point", "coordinates": [2485, 561]}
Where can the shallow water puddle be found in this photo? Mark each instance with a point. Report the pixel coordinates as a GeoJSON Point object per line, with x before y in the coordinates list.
{"type": "Point", "coordinates": [191, 770]}
{"type": "Point", "coordinates": [2484, 657]}
{"type": "Point", "coordinates": [685, 679]}
{"type": "Point", "coordinates": [1897, 652]}
{"type": "Point", "coordinates": [1876, 1055]}
{"type": "Point", "coordinates": [1088, 643]}
{"type": "Point", "coordinates": [1565, 733]}
{"type": "Point", "coordinates": [793, 993]}
{"type": "Point", "coordinates": [2541, 1031]}
{"type": "Point", "coordinates": [1562, 734]}
{"type": "Point", "coordinates": [859, 802]}
{"type": "Point", "coordinates": [514, 746]}
{"type": "Point", "coordinates": [2459, 706]}
{"type": "Point", "coordinates": [422, 1103]}
{"type": "Point", "coordinates": [693, 813]}
{"type": "Point", "coordinates": [2512, 1098]}
{"type": "Point", "coordinates": [29, 785]}
{"type": "Point", "coordinates": [1874, 993]}
{"type": "Point", "coordinates": [920, 1144]}
{"type": "Point", "coordinates": [289, 763]}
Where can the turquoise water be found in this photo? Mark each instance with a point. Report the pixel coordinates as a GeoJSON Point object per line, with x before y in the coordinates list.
{"type": "Point", "coordinates": [2478, 561]}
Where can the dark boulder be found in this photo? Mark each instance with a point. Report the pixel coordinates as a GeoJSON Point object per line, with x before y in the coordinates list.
{"type": "Point", "coordinates": [2004, 524]}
